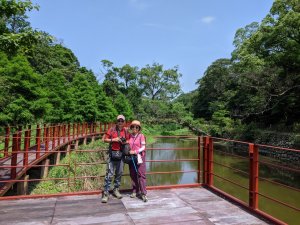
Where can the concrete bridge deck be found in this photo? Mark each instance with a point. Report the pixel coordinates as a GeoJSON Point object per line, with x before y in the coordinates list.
{"type": "Point", "coordinates": [169, 206]}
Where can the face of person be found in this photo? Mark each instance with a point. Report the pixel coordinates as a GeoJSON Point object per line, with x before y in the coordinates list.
{"type": "Point", "coordinates": [120, 123]}
{"type": "Point", "coordinates": [135, 129]}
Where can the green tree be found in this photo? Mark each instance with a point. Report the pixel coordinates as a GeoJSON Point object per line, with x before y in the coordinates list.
{"type": "Point", "coordinates": [45, 56]}
{"type": "Point", "coordinates": [84, 98]}
{"type": "Point", "coordinates": [13, 15]}
{"type": "Point", "coordinates": [107, 111]}
{"type": "Point", "coordinates": [59, 97]}
{"type": "Point", "coordinates": [216, 81]}
{"type": "Point", "coordinates": [158, 83]}
{"type": "Point", "coordinates": [15, 32]}
{"type": "Point", "coordinates": [24, 96]}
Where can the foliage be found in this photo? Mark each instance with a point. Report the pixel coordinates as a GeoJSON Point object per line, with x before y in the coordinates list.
{"type": "Point", "coordinates": [260, 83]}
{"type": "Point", "coordinates": [59, 97]}
{"type": "Point", "coordinates": [24, 97]}
{"type": "Point", "coordinates": [160, 84]}
{"type": "Point", "coordinates": [15, 32]}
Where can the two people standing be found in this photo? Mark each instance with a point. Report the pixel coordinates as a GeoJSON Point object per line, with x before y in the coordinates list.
{"type": "Point", "coordinates": [117, 137]}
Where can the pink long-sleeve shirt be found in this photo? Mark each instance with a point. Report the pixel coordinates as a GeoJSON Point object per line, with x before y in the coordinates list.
{"type": "Point", "coordinates": [137, 142]}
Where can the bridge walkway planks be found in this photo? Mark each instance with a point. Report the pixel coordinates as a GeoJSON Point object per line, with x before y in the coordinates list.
{"type": "Point", "coordinates": [169, 206]}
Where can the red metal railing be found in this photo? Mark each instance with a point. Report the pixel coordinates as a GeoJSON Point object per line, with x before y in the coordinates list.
{"type": "Point", "coordinates": [253, 160]}
{"type": "Point", "coordinates": [32, 149]}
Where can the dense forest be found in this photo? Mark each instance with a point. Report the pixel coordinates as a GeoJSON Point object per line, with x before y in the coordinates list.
{"type": "Point", "coordinates": [42, 81]}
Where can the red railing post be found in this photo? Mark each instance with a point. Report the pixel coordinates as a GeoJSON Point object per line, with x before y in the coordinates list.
{"type": "Point", "coordinates": [7, 137]}
{"type": "Point", "coordinates": [210, 162]}
{"type": "Point", "coordinates": [44, 133]}
{"type": "Point", "coordinates": [14, 155]}
{"type": "Point", "coordinates": [29, 134]}
{"type": "Point", "coordinates": [36, 133]}
{"type": "Point", "coordinates": [73, 131]}
{"type": "Point", "coordinates": [100, 125]}
{"type": "Point", "coordinates": [19, 137]}
{"type": "Point", "coordinates": [38, 142]}
{"type": "Point", "coordinates": [58, 135]}
{"type": "Point", "coordinates": [253, 176]}
{"type": "Point", "coordinates": [26, 147]}
{"type": "Point", "coordinates": [53, 136]}
{"type": "Point", "coordinates": [95, 126]}
{"type": "Point", "coordinates": [78, 129]}
{"type": "Point", "coordinates": [199, 158]}
{"type": "Point", "coordinates": [69, 132]}
{"type": "Point", "coordinates": [47, 140]}
{"type": "Point", "coordinates": [64, 133]}
{"type": "Point", "coordinates": [205, 160]}
{"type": "Point", "coordinates": [83, 129]}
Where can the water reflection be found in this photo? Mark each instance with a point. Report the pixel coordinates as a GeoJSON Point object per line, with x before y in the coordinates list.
{"type": "Point", "coordinates": [171, 178]}
{"type": "Point", "coordinates": [174, 178]}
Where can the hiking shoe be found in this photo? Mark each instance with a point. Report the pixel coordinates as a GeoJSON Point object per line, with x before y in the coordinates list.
{"type": "Point", "coordinates": [104, 197]}
{"type": "Point", "coordinates": [144, 198]}
{"type": "Point", "coordinates": [117, 193]}
{"type": "Point", "coordinates": [133, 195]}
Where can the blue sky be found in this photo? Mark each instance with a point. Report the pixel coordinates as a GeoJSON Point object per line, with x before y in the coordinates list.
{"type": "Point", "coordinates": [190, 34]}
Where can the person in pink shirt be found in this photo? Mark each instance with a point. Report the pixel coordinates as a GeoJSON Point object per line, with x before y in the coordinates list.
{"type": "Point", "coordinates": [137, 168]}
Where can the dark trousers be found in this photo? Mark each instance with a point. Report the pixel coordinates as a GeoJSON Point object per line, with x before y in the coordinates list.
{"type": "Point", "coordinates": [138, 180]}
{"type": "Point", "coordinates": [113, 168]}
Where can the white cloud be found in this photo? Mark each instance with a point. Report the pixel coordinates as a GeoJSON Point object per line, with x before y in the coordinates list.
{"type": "Point", "coordinates": [207, 19]}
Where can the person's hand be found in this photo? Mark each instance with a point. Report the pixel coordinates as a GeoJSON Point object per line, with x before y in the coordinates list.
{"type": "Point", "coordinates": [131, 152]}
{"type": "Point", "coordinates": [117, 139]}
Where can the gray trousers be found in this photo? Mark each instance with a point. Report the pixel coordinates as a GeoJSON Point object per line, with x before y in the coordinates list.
{"type": "Point", "coordinates": [114, 168]}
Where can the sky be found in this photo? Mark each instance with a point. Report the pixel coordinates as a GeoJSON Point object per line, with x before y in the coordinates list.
{"type": "Point", "coordinates": [190, 34]}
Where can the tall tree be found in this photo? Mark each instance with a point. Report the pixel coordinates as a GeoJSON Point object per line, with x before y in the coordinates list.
{"type": "Point", "coordinates": [215, 83]}
{"type": "Point", "coordinates": [59, 97]}
{"type": "Point", "coordinates": [15, 32]}
{"type": "Point", "coordinates": [24, 97]}
{"type": "Point", "coordinates": [158, 83]}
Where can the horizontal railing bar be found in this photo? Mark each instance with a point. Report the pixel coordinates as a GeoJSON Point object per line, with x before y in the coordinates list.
{"type": "Point", "coordinates": [230, 140]}
{"type": "Point", "coordinates": [170, 148]}
{"type": "Point", "coordinates": [97, 150]}
{"type": "Point", "coordinates": [229, 167]}
{"type": "Point", "coordinates": [223, 178]}
{"type": "Point", "coordinates": [84, 177]}
{"type": "Point", "coordinates": [32, 180]}
{"type": "Point", "coordinates": [233, 155]}
{"type": "Point", "coordinates": [171, 172]}
{"type": "Point", "coordinates": [283, 185]}
{"type": "Point", "coordinates": [279, 202]}
{"type": "Point", "coordinates": [278, 148]}
{"type": "Point", "coordinates": [90, 164]}
{"type": "Point", "coordinates": [30, 166]}
{"type": "Point", "coordinates": [51, 137]}
{"type": "Point", "coordinates": [278, 166]}
{"type": "Point", "coordinates": [172, 160]}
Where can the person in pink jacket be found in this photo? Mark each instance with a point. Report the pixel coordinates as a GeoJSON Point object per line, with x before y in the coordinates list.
{"type": "Point", "coordinates": [137, 168]}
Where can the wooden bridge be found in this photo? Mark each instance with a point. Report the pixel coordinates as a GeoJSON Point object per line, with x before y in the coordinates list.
{"type": "Point", "coordinates": [26, 149]}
